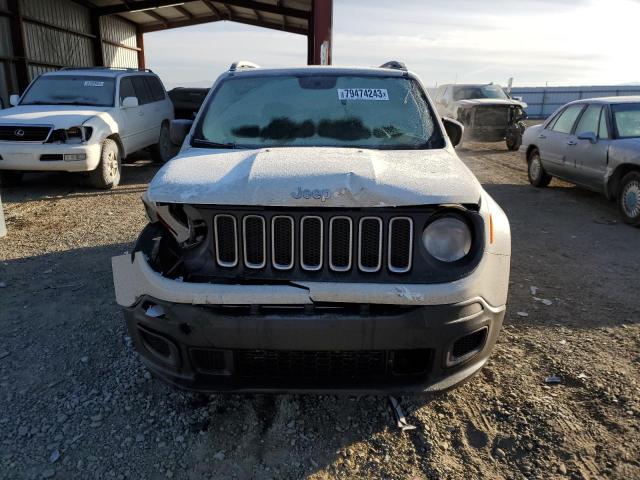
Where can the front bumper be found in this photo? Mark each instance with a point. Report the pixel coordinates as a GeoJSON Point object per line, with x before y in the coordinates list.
{"type": "Point", "coordinates": [388, 349]}
{"type": "Point", "coordinates": [28, 156]}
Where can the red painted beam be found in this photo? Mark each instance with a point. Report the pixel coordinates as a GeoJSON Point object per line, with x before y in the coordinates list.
{"type": "Point", "coordinates": [140, 44]}
{"type": "Point", "coordinates": [320, 34]}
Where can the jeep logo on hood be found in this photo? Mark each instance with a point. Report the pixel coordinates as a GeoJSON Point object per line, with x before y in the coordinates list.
{"type": "Point", "coordinates": [322, 195]}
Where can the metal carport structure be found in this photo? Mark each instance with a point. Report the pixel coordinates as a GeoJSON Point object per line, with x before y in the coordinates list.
{"type": "Point", "coordinates": [42, 35]}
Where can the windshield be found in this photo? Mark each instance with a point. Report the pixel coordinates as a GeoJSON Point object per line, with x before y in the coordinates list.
{"type": "Point", "coordinates": [470, 92]}
{"type": "Point", "coordinates": [336, 110]}
{"type": "Point", "coordinates": [70, 90]}
{"type": "Point", "coordinates": [626, 117]}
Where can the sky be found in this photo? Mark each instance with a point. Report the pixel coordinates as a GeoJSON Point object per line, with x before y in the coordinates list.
{"type": "Point", "coordinates": [554, 42]}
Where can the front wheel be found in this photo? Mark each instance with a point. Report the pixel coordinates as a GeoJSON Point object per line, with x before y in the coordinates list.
{"type": "Point", "coordinates": [514, 140]}
{"type": "Point", "coordinates": [107, 173]}
{"type": "Point", "coordinates": [538, 177]}
{"type": "Point", "coordinates": [161, 151]}
{"type": "Point", "coordinates": [629, 199]}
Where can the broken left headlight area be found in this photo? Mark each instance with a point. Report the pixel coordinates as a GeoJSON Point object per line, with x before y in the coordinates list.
{"type": "Point", "coordinates": [73, 135]}
{"type": "Point", "coordinates": [173, 230]}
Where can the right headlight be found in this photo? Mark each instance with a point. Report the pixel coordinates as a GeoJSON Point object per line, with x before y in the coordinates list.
{"type": "Point", "coordinates": [447, 239]}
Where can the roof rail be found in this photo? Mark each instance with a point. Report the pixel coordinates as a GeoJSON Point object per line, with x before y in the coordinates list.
{"type": "Point", "coordinates": [124, 69]}
{"type": "Point", "coordinates": [395, 65]}
{"type": "Point", "coordinates": [242, 64]}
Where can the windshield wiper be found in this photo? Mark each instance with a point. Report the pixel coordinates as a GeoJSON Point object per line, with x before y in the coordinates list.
{"type": "Point", "coordinates": [85, 104]}
{"type": "Point", "coordinates": [207, 143]}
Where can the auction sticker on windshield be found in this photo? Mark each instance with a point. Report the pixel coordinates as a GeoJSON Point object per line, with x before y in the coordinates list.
{"type": "Point", "coordinates": [93, 83]}
{"type": "Point", "coordinates": [362, 94]}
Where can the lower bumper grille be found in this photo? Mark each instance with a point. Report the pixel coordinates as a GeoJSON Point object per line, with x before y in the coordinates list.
{"type": "Point", "coordinates": [321, 366]}
{"type": "Point", "coordinates": [310, 364]}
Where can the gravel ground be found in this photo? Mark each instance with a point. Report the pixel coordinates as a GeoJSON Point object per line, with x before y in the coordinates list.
{"type": "Point", "coordinates": [75, 401]}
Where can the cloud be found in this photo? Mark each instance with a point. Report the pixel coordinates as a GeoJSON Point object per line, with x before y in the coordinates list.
{"type": "Point", "coordinates": [556, 41]}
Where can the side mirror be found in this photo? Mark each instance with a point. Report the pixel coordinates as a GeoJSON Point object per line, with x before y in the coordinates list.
{"type": "Point", "coordinates": [179, 130]}
{"type": "Point", "coordinates": [454, 130]}
{"type": "Point", "coordinates": [130, 102]}
{"type": "Point", "coordinates": [591, 136]}
{"type": "Point", "coordinates": [14, 100]}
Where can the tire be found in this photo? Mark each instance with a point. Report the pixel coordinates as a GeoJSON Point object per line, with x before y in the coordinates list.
{"type": "Point", "coordinates": [629, 199]}
{"type": "Point", "coordinates": [514, 141]}
{"type": "Point", "coordinates": [9, 178]}
{"type": "Point", "coordinates": [161, 151]}
{"type": "Point", "coordinates": [107, 173]}
{"type": "Point", "coordinates": [538, 177]}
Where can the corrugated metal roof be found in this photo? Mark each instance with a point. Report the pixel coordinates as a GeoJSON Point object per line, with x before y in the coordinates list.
{"type": "Point", "coordinates": [287, 15]}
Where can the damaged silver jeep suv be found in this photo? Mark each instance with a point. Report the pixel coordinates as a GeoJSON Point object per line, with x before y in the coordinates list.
{"type": "Point", "coordinates": [316, 232]}
{"type": "Point", "coordinates": [487, 113]}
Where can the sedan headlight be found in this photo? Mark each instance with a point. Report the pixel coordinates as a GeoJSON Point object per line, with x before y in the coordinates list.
{"type": "Point", "coordinates": [447, 239]}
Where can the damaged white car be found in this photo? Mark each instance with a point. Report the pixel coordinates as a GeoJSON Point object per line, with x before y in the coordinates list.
{"type": "Point", "coordinates": [317, 231]}
{"type": "Point", "coordinates": [84, 120]}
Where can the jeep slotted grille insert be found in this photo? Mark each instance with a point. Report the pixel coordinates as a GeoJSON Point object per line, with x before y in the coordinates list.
{"type": "Point", "coordinates": [226, 233]}
{"type": "Point", "coordinates": [305, 244]}
{"type": "Point", "coordinates": [254, 240]}
{"type": "Point", "coordinates": [311, 243]}
{"type": "Point", "coordinates": [370, 244]}
{"type": "Point", "coordinates": [282, 242]}
{"type": "Point", "coordinates": [340, 243]}
{"type": "Point", "coordinates": [400, 244]}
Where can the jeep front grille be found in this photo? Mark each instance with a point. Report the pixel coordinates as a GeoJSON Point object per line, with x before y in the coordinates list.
{"type": "Point", "coordinates": [338, 237]}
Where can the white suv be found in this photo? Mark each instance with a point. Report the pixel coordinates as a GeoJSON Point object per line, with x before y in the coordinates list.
{"type": "Point", "coordinates": [78, 120]}
{"type": "Point", "coordinates": [316, 231]}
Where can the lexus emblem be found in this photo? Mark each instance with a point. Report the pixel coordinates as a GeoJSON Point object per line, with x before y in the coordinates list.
{"type": "Point", "coordinates": [19, 133]}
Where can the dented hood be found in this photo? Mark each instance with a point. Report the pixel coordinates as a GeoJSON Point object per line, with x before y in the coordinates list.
{"type": "Point", "coordinates": [474, 102]}
{"type": "Point", "coordinates": [60, 116]}
{"type": "Point", "coordinates": [331, 177]}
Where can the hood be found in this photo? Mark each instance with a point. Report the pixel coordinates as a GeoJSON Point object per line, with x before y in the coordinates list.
{"type": "Point", "coordinates": [60, 116]}
{"type": "Point", "coordinates": [473, 102]}
{"type": "Point", "coordinates": [331, 177]}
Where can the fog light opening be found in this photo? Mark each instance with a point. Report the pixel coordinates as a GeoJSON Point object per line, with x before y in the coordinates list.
{"type": "Point", "coordinates": [467, 347]}
{"type": "Point", "coordinates": [160, 347]}
{"type": "Point", "coordinates": [74, 157]}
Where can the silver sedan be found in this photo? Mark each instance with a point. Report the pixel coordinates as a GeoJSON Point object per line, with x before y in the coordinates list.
{"type": "Point", "coordinates": [592, 143]}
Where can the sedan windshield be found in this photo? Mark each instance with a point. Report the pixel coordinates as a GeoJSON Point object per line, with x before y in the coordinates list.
{"type": "Point", "coordinates": [469, 92]}
{"type": "Point", "coordinates": [626, 117]}
{"type": "Point", "coordinates": [70, 90]}
{"type": "Point", "coordinates": [329, 110]}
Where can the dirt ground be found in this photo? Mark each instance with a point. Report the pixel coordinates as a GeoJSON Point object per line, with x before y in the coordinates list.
{"type": "Point", "coordinates": [75, 401]}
